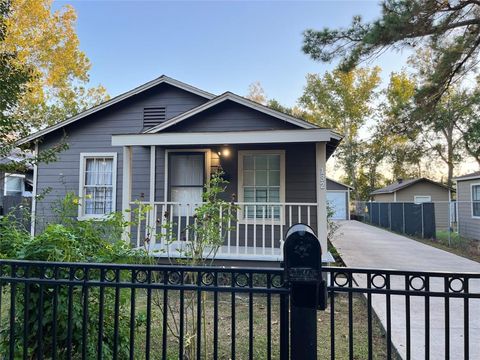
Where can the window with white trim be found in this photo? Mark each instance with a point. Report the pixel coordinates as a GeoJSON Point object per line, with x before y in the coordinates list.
{"type": "Point", "coordinates": [418, 199]}
{"type": "Point", "coordinates": [14, 184]}
{"type": "Point", "coordinates": [261, 182]}
{"type": "Point", "coordinates": [476, 200]}
{"type": "Point", "coordinates": [98, 184]}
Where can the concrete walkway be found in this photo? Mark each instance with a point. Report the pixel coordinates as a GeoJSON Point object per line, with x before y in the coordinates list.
{"type": "Point", "coordinates": [365, 246]}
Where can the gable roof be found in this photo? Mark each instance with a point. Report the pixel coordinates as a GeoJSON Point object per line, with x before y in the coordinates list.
{"type": "Point", "coordinates": [229, 96]}
{"type": "Point", "coordinates": [339, 183]}
{"type": "Point", "coordinates": [405, 183]}
{"type": "Point", "coordinates": [160, 80]}
{"type": "Point", "coordinates": [471, 176]}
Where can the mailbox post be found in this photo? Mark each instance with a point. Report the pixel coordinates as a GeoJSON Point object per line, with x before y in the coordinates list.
{"type": "Point", "coordinates": [302, 256]}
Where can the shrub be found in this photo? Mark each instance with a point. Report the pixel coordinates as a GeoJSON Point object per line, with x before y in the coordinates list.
{"type": "Point", "coordinates": [67, 240]}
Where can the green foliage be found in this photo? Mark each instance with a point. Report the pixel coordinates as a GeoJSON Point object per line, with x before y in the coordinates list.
{"type": "Point", "coordinates": [212, 219]}
{"type": "Point", "coordinates": [451, 28]}
{"type": "Point", "coordinates": [14, 78]}
{"type": "Point", "coordinates": [471, 137]}
{"type": "Point", "coordinates": [68, 240]}
{"type": "Point", "coordinates": [342, 101]}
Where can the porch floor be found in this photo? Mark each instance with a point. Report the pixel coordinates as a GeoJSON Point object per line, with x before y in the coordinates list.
{"type": "Point", "coordinates": [174, 250]}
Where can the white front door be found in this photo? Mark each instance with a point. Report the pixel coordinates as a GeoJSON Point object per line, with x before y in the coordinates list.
{"type": "Point", "coordinates": [338, 203]}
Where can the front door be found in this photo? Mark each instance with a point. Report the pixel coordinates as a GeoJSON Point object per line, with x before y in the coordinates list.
{"type": "Point", "coordinates": [186, 177]}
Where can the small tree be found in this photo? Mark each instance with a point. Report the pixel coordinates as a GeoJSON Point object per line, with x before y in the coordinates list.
{"type": "Point", "coordinates": [207, 234]}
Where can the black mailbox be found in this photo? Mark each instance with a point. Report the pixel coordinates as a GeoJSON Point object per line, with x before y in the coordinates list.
{"type": "Point", "coordinates": [302, 256]}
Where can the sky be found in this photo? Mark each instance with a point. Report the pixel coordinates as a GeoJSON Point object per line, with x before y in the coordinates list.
{"type": "Point", "coordinates": [217, 46]}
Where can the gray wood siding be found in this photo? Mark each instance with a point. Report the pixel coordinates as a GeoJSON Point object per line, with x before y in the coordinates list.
{"type": "Point", "coordinates": [439, 197]}
{"type": "Point", "coordinates": [467, 225]}
{"type": "Point", "coordinates": [93, 134]}
{"type": "Point", "coordinates": [230, 116]}
{"type": "Point", "coordinates": [300, 183]}
{"type": "Point", "coordinates": [383, 198]}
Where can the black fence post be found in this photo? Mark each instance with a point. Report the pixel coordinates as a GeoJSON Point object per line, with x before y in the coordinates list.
{"type": "Point", "coordinates": [303, 272]}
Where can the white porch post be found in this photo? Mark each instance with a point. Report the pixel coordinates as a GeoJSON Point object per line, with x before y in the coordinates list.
{"type": "Point", "coordinates": [127, 189]}
{"type": "Point", "coordinates": [321, 180]}
{"type": "Point", "coordinates": [153, 223]}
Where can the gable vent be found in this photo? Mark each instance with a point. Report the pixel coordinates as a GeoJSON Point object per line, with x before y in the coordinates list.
{"type": "Point", "coordinates": [153, 116]}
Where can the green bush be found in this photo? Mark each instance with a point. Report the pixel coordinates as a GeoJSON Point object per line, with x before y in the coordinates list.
{"type": "Point", "coordinates": [67, 240]}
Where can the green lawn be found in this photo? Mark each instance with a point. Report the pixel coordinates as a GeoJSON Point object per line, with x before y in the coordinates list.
{"type": "Point", "coordinates": [458, 245]}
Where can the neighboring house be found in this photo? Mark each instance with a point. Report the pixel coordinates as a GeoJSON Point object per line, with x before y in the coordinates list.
{"type": "Point", "coordinates": [419, 191]}
{"type": "Point", "coordinates": [468, 205]}
{"type": "Point", "coordinates": [15, 187]}
{"type": "Point", "coordinates": [158, 144]}
{"type": "Point", "coordinates": [338, 198]}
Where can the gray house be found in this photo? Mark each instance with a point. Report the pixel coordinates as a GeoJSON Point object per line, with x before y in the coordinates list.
{"type": "Point", "coordinates": [158, 143]}
{"type": "Point", "coordinates": [468, 205]}
{"type": "Point", "coordinates": [418, 191]}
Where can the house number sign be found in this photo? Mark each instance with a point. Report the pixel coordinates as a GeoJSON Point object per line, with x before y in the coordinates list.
{"type": "Point", "coordinates": [323, 179]}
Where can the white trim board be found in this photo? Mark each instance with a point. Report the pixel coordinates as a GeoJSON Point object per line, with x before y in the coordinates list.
{"type": "Point", "coordinates": [81, 183]}
{"type": "Point", "coordinates": [117, 99]}
{"type": "Point", "coordinates": [471, 198]}
{"type": "Point", "coordinates": [240, 155]}
{"type": "Point", "coordinates": [227, 137]}
{"type": "Point", "coordinates": [239, 100]}
{"type": "Point", "coordinates": [208, 159]}
{"type": "Point", "coordinates": [5, 178]}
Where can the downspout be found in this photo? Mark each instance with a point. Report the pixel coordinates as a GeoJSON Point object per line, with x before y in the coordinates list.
{"type": "Point", "coordinates": [34, 192]}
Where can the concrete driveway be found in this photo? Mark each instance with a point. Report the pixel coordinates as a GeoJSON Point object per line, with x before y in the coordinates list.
{"type": "Point", "coordinates": [365, 246]}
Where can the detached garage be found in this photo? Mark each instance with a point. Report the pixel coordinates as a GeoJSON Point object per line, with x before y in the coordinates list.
{"type": "Point", "coordinates": [338, 198]}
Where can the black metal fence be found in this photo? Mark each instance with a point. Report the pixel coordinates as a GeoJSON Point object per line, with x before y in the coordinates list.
{"type": "Point", "coordinates": [403, 217]}
{"type": "Point", "coordinates": [103, 311]}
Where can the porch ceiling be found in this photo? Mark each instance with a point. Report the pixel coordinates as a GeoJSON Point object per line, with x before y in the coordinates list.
{"type": "Point", "coordinates": [231, 137]}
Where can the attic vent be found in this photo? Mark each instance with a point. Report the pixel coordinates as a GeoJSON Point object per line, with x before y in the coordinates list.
{"type": "Point", "coordinates": [153, 116]}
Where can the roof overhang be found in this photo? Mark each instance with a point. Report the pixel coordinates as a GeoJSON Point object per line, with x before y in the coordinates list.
{"type": "Point", "coordinates": [228, 96]}
{"type": "Point", "coordinates": [230, 137]}
{"type": "Point", "coordinates": [161, 80]}
{"type": "Point", "coordinates": [473, 177]}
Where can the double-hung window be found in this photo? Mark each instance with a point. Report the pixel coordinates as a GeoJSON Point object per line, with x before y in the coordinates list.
{"type": "Point", "coordinates": [476, 200]}
{"type": "Point", "coordinates": [261, 181]}
{"type": "Point", "coordinates": [97, 184]}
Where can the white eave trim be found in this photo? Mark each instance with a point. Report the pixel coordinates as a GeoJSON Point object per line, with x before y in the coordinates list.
{"type": "Point", "coordinates": [476, 177]}
{"type": "Point", "coordinates": [117, 99]}
{"type": "Point", "coordinates": [238, 99]}
{"type": "Point", "coordinates": [228, 137]}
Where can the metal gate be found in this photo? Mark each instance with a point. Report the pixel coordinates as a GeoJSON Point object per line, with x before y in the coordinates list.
{"type": "Point", "coordinates": [107, 311]}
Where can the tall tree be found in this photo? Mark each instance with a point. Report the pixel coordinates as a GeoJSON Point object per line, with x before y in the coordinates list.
{"type": "Point", "coordinates": [13, 80]}
{"type": "Point", "coordinates": [471, 136]}
{"type": "Point", "coordinates": [256, 93]}
{"type": "Point", "coordinates": [469, 121]}
{"type": "Point", "coordinates": [450, 27]}
{"type": "Point", "coordinates": [342, 101]}
{"type": "Point", "coordinates": [404, 154]}
{"type": "Point", "coordinates": [45, 41]}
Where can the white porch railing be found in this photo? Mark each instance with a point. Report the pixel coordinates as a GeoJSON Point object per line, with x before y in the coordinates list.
{"type": "Point", "coordinates": [256, 233]}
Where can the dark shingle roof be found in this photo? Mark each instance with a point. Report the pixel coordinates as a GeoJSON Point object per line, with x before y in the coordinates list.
{"type": "Point", "coordinates": [473, 175]}
{"type": "Point", "coordinates": [403, 184]}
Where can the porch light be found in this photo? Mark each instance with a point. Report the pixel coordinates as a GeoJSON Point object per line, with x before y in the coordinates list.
{"type": "Point", "coordinates": [225, 152]}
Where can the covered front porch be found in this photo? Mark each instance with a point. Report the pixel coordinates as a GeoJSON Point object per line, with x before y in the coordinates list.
{"type": "Point", "coordinates": [276, 179]}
